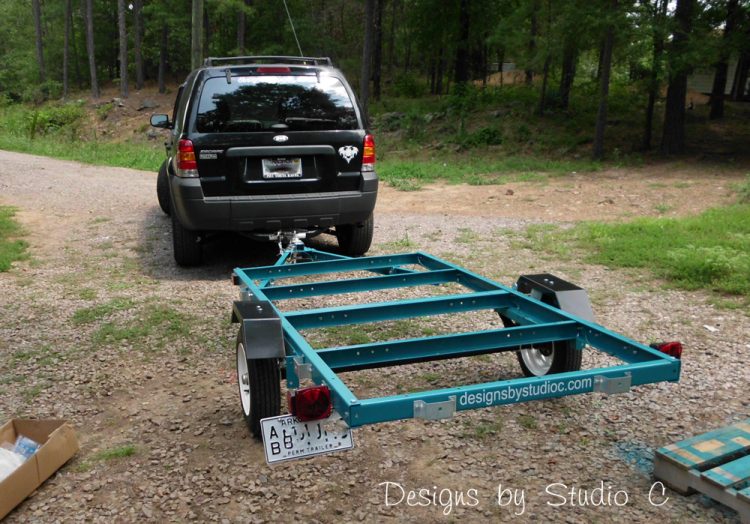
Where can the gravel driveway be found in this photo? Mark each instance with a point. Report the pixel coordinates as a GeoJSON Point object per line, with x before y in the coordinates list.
{"type": "Point", "coordinates": [99, 327]}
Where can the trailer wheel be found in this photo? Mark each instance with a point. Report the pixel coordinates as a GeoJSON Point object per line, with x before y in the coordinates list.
{"type": "Point", "coordinates": [259, 387]}
{"type": "Point", "coordinates": [547, 359]}
{"type": "Point", "coordinates": [162, 188]}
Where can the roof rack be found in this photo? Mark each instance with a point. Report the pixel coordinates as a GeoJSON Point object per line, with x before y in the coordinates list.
{"type": "Point", "coordinates": [303, 60]}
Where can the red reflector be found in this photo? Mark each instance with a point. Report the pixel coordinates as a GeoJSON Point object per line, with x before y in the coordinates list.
{"type": "Point", "coordinates": [368, 153]}
{"type": "Point", "coordinates": [272, 70]}
{"type": "Point", "coordinates": [311, 403]}
{"type": "Point", "coordinates": [673, 349]}
{"type": "Point", "coordinates": [186, 155]}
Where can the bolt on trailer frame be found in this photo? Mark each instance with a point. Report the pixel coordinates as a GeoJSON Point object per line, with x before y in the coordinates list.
{"type": "Point", "coordinates": [270, 333]}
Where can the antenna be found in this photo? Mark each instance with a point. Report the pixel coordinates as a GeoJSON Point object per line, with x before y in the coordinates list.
{"type": "Point", "coordinates": [294, 32]}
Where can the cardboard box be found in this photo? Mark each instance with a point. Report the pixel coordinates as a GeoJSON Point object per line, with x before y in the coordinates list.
{"type": "Point", "coordinates": [59, 443]}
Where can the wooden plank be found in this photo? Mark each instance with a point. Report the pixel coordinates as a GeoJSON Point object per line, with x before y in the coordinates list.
{"type": "Point", "coordinates": [709, 448]}
{"type": "Point", "coordinates": [730, 473]}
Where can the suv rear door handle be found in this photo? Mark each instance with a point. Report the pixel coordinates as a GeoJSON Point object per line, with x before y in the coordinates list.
{"type": "Point", "coordinates": [280, 151]}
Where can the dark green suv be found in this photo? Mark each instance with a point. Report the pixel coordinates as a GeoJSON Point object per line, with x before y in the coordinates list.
{"type": "Point", "coordinates": [260, 145]}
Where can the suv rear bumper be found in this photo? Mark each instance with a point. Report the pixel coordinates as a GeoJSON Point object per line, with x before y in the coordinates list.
{"type": "Point", "coordinates": [270, 212]}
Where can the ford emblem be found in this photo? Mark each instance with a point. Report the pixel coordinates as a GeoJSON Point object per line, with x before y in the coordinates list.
{"type": "Point", "coordinates": [280, 138]}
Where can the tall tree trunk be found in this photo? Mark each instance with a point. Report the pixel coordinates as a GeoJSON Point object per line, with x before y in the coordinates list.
{"type": "Point", "coordinates": [138, 42]}
{"type": "Point", "coordinates": [37, 9]}
{"type": "Point", "coordinates": [206, 34]}
{"type": "Point", "coordinates": [89, 16]}
{"type": "Point", "coordinates": [720, 76]}
{"type": "Point", "coordinates": [532, 43]}
{"type": "Point", "coordinates": [606, 68]}
{"type": "Point", "coordinates": [66, 44]}
{"type": "Point", "coordinates": [673, 135]}
{"type": "Point", "coordinates": [392, 37]}
{"type": "Point", "coordinates": [122, 29]}
{"type": "Point", "coordinates": [196, 47]}
{"type": "Point", "coordinates": [543, 93]}
{"type": "Point", "coordinates": [74, 49]}
{"type": "Point", "coordinates": [440, 72]}
{"type": "Point", "coordinates": [568, 74]}
{"type": "Point", "coordinates": [740, 77]}
{"type": "Point", "coordinates": [377, 56]}
{"type": "Point", "coordinates": [461, 67]}
{"type": "Point", "coordinates": [241, 31]}
{"type": "Point", "coordinates": [364, 81]}
{"type": "Point", "coordinates": [163, 57]}
{"type": "Point", "coordinates": [659, 17]}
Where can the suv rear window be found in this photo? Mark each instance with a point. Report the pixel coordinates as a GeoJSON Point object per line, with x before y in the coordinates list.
{"type": "Point", "coordinates": [255, 103]}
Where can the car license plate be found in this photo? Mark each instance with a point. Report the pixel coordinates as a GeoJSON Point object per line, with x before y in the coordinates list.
{"type": "Point", "coordinates": [282, 168]}
{"type": "Point", "coordinates": [286, 438]}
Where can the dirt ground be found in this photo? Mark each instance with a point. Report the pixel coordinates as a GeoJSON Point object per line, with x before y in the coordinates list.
{"type": "Point", "coordinates": [667, 189]}
{"type": "Point", "coordinates": [99, 327]}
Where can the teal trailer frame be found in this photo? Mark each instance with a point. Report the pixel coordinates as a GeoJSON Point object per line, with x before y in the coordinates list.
{"type": "Point", "coordinates": [536, 323]}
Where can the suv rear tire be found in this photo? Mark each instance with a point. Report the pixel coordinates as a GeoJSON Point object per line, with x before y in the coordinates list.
{"type": "Point", "coordinates": [185, 243]}
{"type": "Point", "coordinates": [162, 189]}
{"type": "Point", "coordinates": [355, 239]}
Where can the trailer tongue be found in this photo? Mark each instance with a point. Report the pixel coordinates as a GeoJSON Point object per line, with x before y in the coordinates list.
{"type": "Point", "coordinates": [548, 323]}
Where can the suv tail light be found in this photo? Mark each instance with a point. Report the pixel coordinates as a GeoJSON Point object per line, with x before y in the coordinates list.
{"type": "Point", "coordinates": [368, 154]}
{"type": "Point", "coordinates": [186, 166]}
{"type": "Point", "coordinates": [313, 403]}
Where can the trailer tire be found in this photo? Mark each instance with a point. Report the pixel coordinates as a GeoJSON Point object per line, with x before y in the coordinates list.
{"type": "Point", "coordinates": [355, 239]}
{"type": "Point", "coordinates": [185, 245]}
{"type": "Point", "coordinates": [259, 386]}
{"type": "Point", "coordinates": [162, 189]}
{"type": "Point", "coordinates": [547, 359]}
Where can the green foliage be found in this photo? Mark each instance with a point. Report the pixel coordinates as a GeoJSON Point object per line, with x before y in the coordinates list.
{"type": "Point", "coordinates": [486, 136]}
{"type": "Point", "coordinates": [53, 118]}
{"type": "Point", "coordinates": [409, 86]}
{"type": "Point", "coordinates": [11, 247]}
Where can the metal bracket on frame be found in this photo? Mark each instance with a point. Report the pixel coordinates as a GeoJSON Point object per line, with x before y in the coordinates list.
{"type": "Point", "coordinates": [302, 370]}
{"type": "Point", "coordinates": [435, 410]}
{"type": "Point", "coordinates": [612, 385]}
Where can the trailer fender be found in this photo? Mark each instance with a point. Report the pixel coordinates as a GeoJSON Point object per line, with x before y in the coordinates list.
{"type": "Point", "coordinates": [262, 334]}
{"type": "Point", "coordinates": [557, 292]}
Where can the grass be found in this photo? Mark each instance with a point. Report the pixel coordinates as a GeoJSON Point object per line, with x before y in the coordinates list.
{"type": "Point", "coordinates": [11, 247]}
{"type": "Point", "coordinates": [116, 453]}
{"type": "Point", "coordinates": [122, 154]}
{"type": "Point", "coordinates": [411, 175]}
{"type": "Point", "coordinates": [164, 323]}
{"type": "Point", "coordinates": [707, 251]}
{"type": "Point", "coordinates": [527, 421]}
{"type": "Point", "coordinates": [92, 314]}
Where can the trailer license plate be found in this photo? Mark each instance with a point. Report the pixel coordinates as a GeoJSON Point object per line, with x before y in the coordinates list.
{"type": "Point", "coordinates": [282, 168]}
{"type": "Point", "coordinates": [286, 438]}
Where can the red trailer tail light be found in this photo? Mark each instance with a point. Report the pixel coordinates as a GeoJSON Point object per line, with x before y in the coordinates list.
{"type": "Point", "coordinates": [368, 154]}
{"type": "Point", "coordinates": [313, 403]}
{"type": "Point", "coordinates": [186, 165]}
{"type": "Point", "coordinates": [673, 349]}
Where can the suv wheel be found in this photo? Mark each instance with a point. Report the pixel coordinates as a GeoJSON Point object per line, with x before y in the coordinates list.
{"type": "Point", "coordinates": [187, 249]}
{"type": "Point", "coordinates": [162, 188]}
{"type": "Point", "coordinates": [356, 239]}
